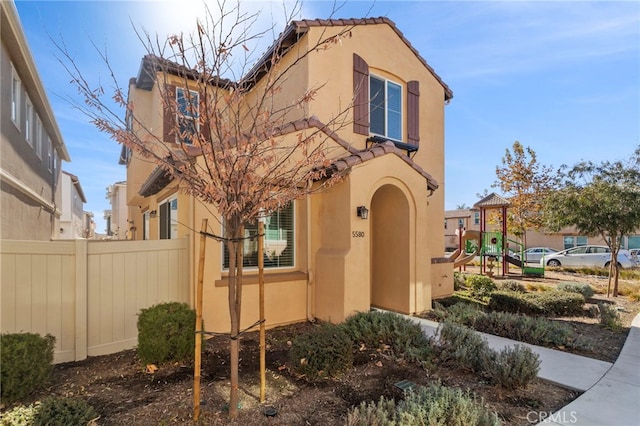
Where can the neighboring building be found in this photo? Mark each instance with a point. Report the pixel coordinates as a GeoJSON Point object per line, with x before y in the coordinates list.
{"type": "Point", "coordinates": [466, 219]}
{"type": "Point", "coordinates": [32, 147]}
{"type": "Point", "coordinates": [326, 259]}
{"type": "Point", "coordinates": [89, 226]}
{"type": "Point", "coordinates": [73, 223]}
{"type": "Point", "coordinates": [116, 219]}
{"type": "Point", "coordinates": [563, 239]}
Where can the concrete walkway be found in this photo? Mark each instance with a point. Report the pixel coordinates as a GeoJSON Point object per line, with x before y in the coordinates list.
{"type": "Point", "coordinates": [611, 391]}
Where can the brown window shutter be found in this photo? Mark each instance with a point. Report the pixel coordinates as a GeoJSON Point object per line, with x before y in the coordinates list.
{"type": "Point", "coordinates": [360, 96]}
{"type": "Point", "coordinates": [168, 117]}
{"type": "Point", "coordinates": [413, 112]}
{"type": "Point", "coordinates": [203, 116]}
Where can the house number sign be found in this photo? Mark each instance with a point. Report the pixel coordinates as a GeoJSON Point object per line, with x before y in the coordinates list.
{"type": "Point", "coordinates": [357, 234]}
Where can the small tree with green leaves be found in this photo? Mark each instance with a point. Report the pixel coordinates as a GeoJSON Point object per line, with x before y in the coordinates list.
{"type": "Point", "coordinates": [599, 199]}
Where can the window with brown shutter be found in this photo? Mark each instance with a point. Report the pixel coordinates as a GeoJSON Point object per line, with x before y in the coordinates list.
{"type": "Point", "coordinates": [168, 119]}
{"type": "Point", "coordinates": [360, 96]}
{"type": "Point", "coordinates": [413, 112]}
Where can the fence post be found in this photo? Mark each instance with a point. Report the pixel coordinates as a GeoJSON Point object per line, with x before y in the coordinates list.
{"type": "Point", "coordinates": [81, 262]}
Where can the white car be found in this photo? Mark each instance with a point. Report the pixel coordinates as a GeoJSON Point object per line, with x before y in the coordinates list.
{"type": "Point", "coordinates": [599, 256]}
{"type": "Point", "coordinates": [535, 254]}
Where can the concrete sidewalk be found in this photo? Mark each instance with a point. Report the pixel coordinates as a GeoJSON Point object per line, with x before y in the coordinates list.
{"type": "Point", "coordinates": [611, 391]}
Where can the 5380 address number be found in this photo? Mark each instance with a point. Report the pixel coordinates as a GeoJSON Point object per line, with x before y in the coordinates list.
{"type": "Point", "coordinates": [357, 234]}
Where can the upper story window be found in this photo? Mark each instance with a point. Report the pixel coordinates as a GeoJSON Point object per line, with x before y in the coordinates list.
{"type": "Point", "coordinates": [49, 154]}
{"type": "Point", "coordinates": [28, 122]}
{"type": "Point", "coordinates": [16, 88]}
{"type": "Point", "coordinates": [37, 137]}
{"type": "Point", "coordinates": [385, 108]}
{"type": "Point", "coordinates": [278, 241]}
{"type": "Point", "coordinates": [476, 218]}
{"type": "Point", "coordinates": [188, 102]}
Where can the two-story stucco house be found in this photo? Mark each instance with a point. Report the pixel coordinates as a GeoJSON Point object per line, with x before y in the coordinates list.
{"type": "Point", "coordinates": [73, 222]}
{"type": "Point", "coordinates": [32, 147]}
{"type": "Point", "coordinates": [372, 240]}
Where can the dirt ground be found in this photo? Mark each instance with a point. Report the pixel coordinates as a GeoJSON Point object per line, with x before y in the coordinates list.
{"type": "Point", "coordinates": [123, 393]}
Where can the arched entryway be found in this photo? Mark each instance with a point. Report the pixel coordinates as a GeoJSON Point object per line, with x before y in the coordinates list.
{"type": "Point", "coordinates": [390, 248]}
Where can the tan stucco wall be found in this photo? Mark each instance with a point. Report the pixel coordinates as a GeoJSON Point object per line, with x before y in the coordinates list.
{"type": "Point", "coordinates": [333, 275]}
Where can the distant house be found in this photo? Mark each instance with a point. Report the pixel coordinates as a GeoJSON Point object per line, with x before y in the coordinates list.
{"type": "Point", "coordinates": [32, 147]}
{"type": "Point", "coordinates": [373, 239]}
{"type": "Point", "coordinates": [73, 221]}
{"type": "Point", "coordinates": [116, 218]}
{"type": "Point", "coordinates": [469, 219]}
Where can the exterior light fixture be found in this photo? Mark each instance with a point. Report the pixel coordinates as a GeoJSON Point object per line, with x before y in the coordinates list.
{"type": "Point", "coordinates": [363, 212]}
{"type": "Point", "coordinates": [153, 213]}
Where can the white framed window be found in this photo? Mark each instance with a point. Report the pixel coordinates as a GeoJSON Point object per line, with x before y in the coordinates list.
{"type": "Point", "coordinates": [575, 241]}
{"type": "Point", "coordinates": [28, 121]}
{"type": "Point", "coordinates": [279, 239]}
{"type": "Point", "coordinates": [16, 92]}
{"type": "Point", "coordinates": [188, 114]}
{"type": "Point", "coordinates": [385, 107]}
{"type": "Point", "coordinates": [476, 218]}
{"type": "Point", "coordinates": [49, 153]}
{"type": "Point", "coordinates": [37, 137]}
{"type": "Point", "coordinates": [168, 218]}
{"type": "Point", "coordinates": [145, 225]}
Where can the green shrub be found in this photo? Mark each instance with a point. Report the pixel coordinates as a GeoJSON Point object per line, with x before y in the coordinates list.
{"type": "Point", "coordinates": [27, 362]}
{"type": "Point", "coordinates": [381, 413]}
{"type": "Point", "coordinates": [377, 329]}
{"type": "Point", "coordinates": [609, 316]}
{"type": "Point", "coordinates": [464, 314]}
{"type": "Point", "coordinates": [439, 405]}
{"type": "Point", "coordinates": [551, 303]}
{"type": "Point", "coordinates": [511, 285]}
{"type": "Point", "coordinates": [535, 330]}
{"type": "Point", "coordinates": [434, 404]}
{"type": "Point", "coordinates": [461, 346]}
{"type": "Point", "coordinates": [64, 412]}
{"type": "Point", "coordinates": [480, 285]}
{"type": "Point", "coordinates": [166, 332]}
{"type": "Point", "coordinates": [458, 281]}
{"type": "Point", "coordinates": [19, 416]}
{"type": "Point", "coordinates": [584, 289]}
{"type": "Point", "coordinates": [512, 368]}
{"type": "Point", "coordinates": [324, 353]}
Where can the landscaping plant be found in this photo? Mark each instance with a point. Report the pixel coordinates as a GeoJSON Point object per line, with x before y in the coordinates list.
{"type": "Point", "coordinates": [26, 362]}
{"type": "Point", "coordinates": [64, 412]}
{"type": "Point", "coordinates": [166, 333]}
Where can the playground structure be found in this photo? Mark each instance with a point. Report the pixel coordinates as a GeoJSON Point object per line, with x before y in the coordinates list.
{"type": "Point", "coordinates": [493, 247]}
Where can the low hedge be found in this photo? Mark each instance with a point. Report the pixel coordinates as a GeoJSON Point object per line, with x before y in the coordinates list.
{"type": "Point", "coordinates": [550, 303]}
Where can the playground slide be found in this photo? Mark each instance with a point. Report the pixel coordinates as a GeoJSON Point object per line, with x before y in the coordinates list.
{"type": "Point", "coordinates": [463, 258]}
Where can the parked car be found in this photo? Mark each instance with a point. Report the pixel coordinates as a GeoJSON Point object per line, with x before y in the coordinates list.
{"type": "Point", "coordinates": [599, 256]}
{"type": "Point", "coordinates": [535, 254]}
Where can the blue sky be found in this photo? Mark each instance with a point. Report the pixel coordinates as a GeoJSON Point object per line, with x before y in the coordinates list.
{"type": "Point", "coordinates": [560, 77]}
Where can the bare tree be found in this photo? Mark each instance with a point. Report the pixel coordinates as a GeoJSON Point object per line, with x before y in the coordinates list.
{"type": "Point", "coordinates": [234, 151]}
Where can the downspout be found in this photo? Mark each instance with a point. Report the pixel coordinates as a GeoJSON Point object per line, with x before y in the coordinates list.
{"type": "Point", "coordinates": [310, 276]}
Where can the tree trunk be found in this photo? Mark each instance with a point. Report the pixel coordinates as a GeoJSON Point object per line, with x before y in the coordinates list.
{"type": "Point", "coordinates": [235, 245]}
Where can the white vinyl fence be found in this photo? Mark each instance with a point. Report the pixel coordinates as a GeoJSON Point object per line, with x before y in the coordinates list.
{"type": "Point", "coordinates": [88, 293]}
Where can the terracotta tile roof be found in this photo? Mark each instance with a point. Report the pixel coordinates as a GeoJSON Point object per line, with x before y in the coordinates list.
{"type": "Point", "coordinates": [303, 25]}
{"type": "Point", "coordinates": [296, 29]}
{"type": "Point", "coordinates": [344, 164]}
{"type": "Point", "coordinates": [492, 200]}
{"type": "Point", "coordinates": [160, 177]}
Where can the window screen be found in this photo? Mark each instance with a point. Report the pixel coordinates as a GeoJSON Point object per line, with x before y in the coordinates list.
{"type": "Point", "coordinates": [278, 241]}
